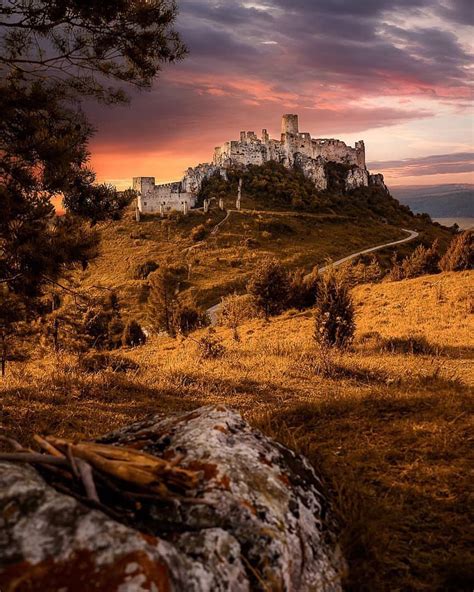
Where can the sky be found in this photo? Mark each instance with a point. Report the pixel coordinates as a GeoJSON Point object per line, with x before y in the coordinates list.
{"type": "Point", "coordinates": [396, 73]}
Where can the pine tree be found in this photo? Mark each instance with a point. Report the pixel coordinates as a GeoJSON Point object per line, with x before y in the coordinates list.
{"type": "Point", "coordinates": [162, 300]}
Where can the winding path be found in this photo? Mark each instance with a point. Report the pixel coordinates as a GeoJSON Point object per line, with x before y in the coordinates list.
{"type": "Point", "coordinates": [213, 310]}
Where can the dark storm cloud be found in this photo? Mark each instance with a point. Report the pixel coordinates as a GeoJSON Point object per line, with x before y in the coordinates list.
{"type": "Point", "coordinates": [460, 162]}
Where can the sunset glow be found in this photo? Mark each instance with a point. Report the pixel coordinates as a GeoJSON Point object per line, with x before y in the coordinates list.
{"type": "Point", "coordinates": [395, 73]}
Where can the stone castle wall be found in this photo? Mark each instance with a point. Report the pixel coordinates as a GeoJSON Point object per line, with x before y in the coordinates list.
{"type": "Point", "coordinates": [293, 148]}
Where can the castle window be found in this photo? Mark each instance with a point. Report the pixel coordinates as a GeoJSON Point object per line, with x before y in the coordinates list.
{"type": "Point", "coordinates": [144, 203]}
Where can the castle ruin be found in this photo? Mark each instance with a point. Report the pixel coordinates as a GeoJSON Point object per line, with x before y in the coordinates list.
{"type": "Point", "coordinates": [294, 148]}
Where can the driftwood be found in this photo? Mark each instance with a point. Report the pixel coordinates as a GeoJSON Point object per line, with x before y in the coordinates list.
{"type": "Point", "coordinates": [113, 478]}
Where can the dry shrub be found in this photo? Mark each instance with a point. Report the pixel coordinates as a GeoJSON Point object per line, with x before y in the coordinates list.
{"type": "Point", "coordinates": [210, 346]}
{"type": "Point", "coordinates": [334, 311]}
{"type": "Point", "coordinates": [421, 262]}
{"type": "Point", "coordinates": [143, 270]}
{"type": "Point", "coordinates": [411, 344]}
{"type": "Point", "coordinates": [93, 363]}
{"type": "Point", "coordinates": [269, 286]}
{"type": "Point", "coordinates": [235, 310]}
{"type": "Point", "coordinates": [303, 289]}
{"type": "Point", "coordinates": [198, 233]}
{"type": "Point", "coordinates": [460, 253]}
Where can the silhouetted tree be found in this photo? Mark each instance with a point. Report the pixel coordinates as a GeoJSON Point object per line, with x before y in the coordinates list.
{"type": "Point", "coordinates": [53, 54]}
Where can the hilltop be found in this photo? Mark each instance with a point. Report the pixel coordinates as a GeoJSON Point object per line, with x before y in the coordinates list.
{"type": "Point", "coordinates": [388, 429]}
{"type": "Point", "coordinates": [282, 215]}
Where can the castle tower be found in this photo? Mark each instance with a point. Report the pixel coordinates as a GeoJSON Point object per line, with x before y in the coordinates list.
{"type": "Point", "coordinates": [289, 124]}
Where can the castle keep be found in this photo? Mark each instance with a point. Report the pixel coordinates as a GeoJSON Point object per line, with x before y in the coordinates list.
{"type": "Point", "coordinates": [294, 148]}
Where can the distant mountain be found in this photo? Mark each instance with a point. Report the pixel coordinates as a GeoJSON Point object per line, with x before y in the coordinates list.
{"type": "Point", "coordinates": [439, 201]}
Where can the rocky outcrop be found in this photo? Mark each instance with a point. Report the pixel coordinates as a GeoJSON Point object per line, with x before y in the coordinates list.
{"type": "Point", "coordinates": [313, 168]}
{"type": "Point", "coordinates": [377, 180]}
{"type": "Point", "coordinates": [356, 177]}
{"type": "Point", "coordinates": [263, 523]}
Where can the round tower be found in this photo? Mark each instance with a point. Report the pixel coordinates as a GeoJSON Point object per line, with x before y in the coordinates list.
{"type": "Point", "coordinates": [289, 124]}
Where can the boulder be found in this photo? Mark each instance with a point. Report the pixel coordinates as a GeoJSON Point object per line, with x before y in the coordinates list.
{"type": "Point", "coordinates": [263, 523]}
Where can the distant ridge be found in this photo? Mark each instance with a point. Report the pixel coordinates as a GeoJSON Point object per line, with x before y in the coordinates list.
{"type": "Point", "coordinates": [439, 201]}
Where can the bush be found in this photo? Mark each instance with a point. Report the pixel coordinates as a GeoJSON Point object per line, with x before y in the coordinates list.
{"type": "Point", "coordinates": [235, 310]}
{"type": "Point", "coordinates": [188, 318]}
{"type": "Point", "coordinates": [198, 233]}
{"type": "Point", "coordinates": [412, 344]}
{"type": "Point", "coordinates": [143, 270]}
{"type": "Point", "coordinates": [96, 362]}
{"type": "Point", "coordinates": [303, 289]}
{"type": "Point", "coordinates": [460, 253]}
{"type": "Point", "coordinates": [269, 286]}
{"type": "Point", "coordinates": [422, 261]}
{"type": "Point", "coordinates": [133, 335]}
{"type": "Point", "coordinates": [364, 272]}
{"type": "Point", "coordinates": [210, 346]}
{"type": "Point", "coordinates": [334, 317]}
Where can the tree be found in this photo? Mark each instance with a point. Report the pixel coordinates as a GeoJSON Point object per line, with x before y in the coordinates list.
{"type": "Point", "coordinates": [460, 253]}
{"type": "Point", "coordinates": [162, 300]}
{"type": "Point", "coordinates": [53, 55]}
{"type": "Point", "coordinates": [269, 286]}
{"type": "Point", "coordinates": [334, 312]}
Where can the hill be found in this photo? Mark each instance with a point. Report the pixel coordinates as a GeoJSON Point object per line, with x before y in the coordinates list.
{"type": "Point", "coordinates": [388, 429]}
{"type": "Point", "coordinates": [282, 215]}
{"type": "Point", "coordinates": [439, 201]}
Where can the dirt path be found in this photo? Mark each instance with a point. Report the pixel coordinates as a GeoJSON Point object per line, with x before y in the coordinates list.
{"type": "Point", "coordinates": [213, 310]}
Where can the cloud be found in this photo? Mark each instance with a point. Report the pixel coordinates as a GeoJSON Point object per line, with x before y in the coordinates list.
{"type": "Point", "coordinates": [459, 162]}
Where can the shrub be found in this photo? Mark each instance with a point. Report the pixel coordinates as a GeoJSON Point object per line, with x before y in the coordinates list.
{"type": "Point", "coordinates": [198, 233]}
{"type": "Point", "coordinates": [133, 334]}
{"type": "Point", "coordinates": [334, 315]}
{"type": "Point", "coordinates": [210, 346]}
{"type": "Point", "coordinates": [412, 344]}
{"type": "Point", "coordinates": [96, 362]}
{"type": "Point", "coordinates": [188, 318]}
{"type": "Point", "coordinates": [269, 286]}
{"type": "Point", "coordinates": [363, 272]}
{"type": "Point", "coordinates": [235, 310]}
{"type": "Point", "coordinates": [460, 253]}
{"type": "Point", "coordinates": [303, 289]}
{"type": "Point", "coordinates": [143, 270]}
{"type": "Point", "coordinates": [162, 301]}
{"type": "Point", "coordinates": [422, 261]}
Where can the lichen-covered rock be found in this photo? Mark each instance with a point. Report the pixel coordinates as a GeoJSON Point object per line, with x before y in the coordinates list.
{"type": "Point", "coordinates": [264, 523]}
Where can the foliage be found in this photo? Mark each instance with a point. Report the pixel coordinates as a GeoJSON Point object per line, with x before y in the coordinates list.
{"type": "Point", "coordinates": [162, 299]}
{"type": "Point", "coordinates": [334, 313]}
{"type": "Point", "coordinates": [236, 309]}
{"type": "Point", "coordinates": [12, 315]}
{"type": "Point", "coordinates": [210, 346]}
{"type": "Point", "coordinates": [198, 233]}
{"type": "Point", "coordinates": [188, 318]}
{"type": "Point", "coordinates": [364, 271]}
{"type": "Point", "coordinates": [53, 55]}
{"type": "Point", "coordinates": [102, 323]}
{"type": "Point", "coordinates": [460, 253]}
{"type": "Point", "coordinates": [133, 334]}
{"type": "Point", "coordinates": [269, 286]}
{"type": "Point", "coordinates": [143, 270]}
{"type": "Point", "coordinates": [303, 289]}
{"type": "Point", "coordinates": [95, 362]}
{"type": "Point", "coordinates": [422, 261]}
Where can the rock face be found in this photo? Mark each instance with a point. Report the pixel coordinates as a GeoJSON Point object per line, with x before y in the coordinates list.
{"type": "Point", "coordinates": [264, 525]}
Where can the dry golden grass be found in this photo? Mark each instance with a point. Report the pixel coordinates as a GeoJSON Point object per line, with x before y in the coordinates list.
{"type": "Point", "coordinates": [222, 262]}
{"type": "Point", "coordinates": [388, 431]}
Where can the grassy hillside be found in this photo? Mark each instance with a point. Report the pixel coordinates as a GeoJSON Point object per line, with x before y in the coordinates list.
{"type": "Point", "coordinates": [334, 226]}
{"type": "Point", "coordinates": [388, 430]}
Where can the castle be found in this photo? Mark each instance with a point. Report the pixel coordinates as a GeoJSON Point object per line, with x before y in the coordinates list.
{"type": "Point", "coordinates": [295, 148]}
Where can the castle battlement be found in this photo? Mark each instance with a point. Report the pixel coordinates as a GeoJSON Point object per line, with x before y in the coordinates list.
{"type": "Point", "coordinates": [294, 148]}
